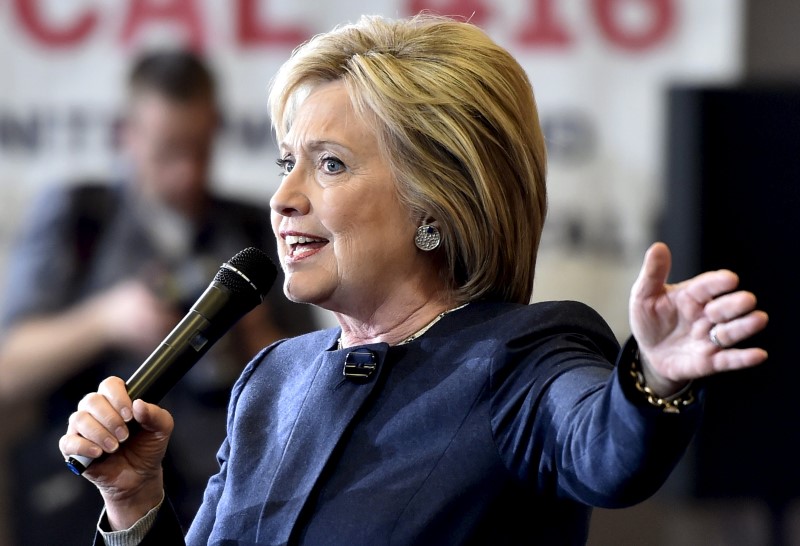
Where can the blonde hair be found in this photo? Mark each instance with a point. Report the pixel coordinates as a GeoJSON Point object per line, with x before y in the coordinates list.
{"type": "Point", "coordinates": [457, 121]}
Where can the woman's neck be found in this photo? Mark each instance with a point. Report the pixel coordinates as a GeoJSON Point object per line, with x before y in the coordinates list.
{"type": "Point", "coordinates": [393, 326]}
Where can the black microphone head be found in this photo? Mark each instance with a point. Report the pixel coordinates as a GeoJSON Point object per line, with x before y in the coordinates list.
{"type": "Point", "coordinates": [249, 271]}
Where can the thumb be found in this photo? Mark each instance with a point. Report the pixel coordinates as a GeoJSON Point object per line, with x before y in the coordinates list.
{"type": "Point", "coordinates": [152, 418]}
{"type": "Point", "coordinates": [654, 272]}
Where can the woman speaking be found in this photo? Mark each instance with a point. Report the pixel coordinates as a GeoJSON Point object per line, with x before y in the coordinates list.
{"type": "Point", "coordinates": [444, 408]}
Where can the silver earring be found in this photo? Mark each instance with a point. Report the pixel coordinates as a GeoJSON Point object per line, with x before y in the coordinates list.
{"type": "Point", "coordinates": [428, 237]}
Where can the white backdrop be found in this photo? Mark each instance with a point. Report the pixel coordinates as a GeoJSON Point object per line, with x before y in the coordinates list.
{"type": "Point", "coordinates": [600, 70]}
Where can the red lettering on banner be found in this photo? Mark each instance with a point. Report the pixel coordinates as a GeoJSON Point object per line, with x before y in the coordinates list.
{"type": "Point", "coordinates": [183, 12]}
{"type": "Point", "coordinates": [252, 32]}
{"type": "Point", "coordinates": [475, 10]}
{"type": "Point", "coordinates": [661, 23]}
{"type": "Point", "coordinates": [30, 16]}
{"type": "Point", "coordinates": [542, 28]}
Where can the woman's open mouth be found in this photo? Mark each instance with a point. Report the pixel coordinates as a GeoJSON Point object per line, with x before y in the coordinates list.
{"type": "Point", "coordinates": [301, 246]}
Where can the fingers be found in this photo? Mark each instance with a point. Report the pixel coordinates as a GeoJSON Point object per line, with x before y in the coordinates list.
{"type": "Point", "coordinates": [728, 333]}
{"type": "Point", "coordinates": [736, 359]}
{"type": "Point", "coordinates": [710, 285]}
{"type": "Point", "coordinates": [727, 307]}
{"type": "Point", "coordinates": [99, 424]}
{"type": "Point", "coordinates": [73, 443]}
{"type": "Point", "coordinates": [115, 391]}
{"type": "Point", "coordinates": [96, 420]}
{"type": "Point", "coordinates": [700, 289]}
{"type": "Point", "coordinates": [734, 318]}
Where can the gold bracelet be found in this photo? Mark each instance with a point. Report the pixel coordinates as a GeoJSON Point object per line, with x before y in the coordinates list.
{"type": "Point", "coordinates": [670, 404]}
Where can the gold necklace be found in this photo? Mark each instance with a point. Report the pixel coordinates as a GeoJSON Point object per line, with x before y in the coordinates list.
{"type": "Point", "coordinates": [422, 330]}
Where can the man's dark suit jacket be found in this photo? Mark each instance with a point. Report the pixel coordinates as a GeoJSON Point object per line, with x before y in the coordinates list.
{"type": "Point", "coordinates": [500, 425]}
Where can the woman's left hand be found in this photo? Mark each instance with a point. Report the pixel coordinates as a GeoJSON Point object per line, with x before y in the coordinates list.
{"type": "Point", "coordinates": [673, 323]}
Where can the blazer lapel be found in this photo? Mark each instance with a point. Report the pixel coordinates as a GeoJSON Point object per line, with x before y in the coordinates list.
{"type": "Point", "coordinates": [330, 406]}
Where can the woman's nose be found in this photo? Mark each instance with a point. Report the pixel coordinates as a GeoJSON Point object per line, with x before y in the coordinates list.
{"type": "Point", "coordinates": [290, 199]}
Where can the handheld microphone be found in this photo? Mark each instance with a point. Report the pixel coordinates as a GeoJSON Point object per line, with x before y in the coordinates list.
{"type": "Point", "coordinates": [239, 286]}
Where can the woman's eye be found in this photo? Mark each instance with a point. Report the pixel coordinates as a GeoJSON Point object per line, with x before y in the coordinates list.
{"type": "Point", "coordinates": [331, 165]}
{"type": "Point", "coordinates": [286, 165]}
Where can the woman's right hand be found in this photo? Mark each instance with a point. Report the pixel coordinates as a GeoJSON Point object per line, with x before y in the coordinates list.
{"type": "Point", "coordinates": [129, 477]}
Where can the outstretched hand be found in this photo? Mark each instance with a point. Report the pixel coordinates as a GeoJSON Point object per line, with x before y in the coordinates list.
{"type": "Point", "coordinates": [673, 323]}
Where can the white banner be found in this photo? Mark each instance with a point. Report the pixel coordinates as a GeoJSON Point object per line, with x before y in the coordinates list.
{"type": "Point", "coordinates": [600, 69]}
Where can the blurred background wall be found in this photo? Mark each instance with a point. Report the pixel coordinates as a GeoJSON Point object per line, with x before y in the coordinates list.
{"type": "Point", "coordinates": [605, 73]}
{"type": "Point", "coordinates": [731, 195]}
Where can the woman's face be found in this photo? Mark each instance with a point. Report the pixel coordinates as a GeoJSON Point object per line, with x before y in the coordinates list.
{"type": "Point", "coordinates": [344, 239]}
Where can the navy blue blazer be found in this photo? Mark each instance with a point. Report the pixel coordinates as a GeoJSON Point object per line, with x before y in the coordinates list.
{"type": "Point", "coordinates": [502, 424]}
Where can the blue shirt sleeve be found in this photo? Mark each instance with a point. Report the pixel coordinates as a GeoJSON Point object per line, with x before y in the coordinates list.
{"type": "Point", "coordinates": [42, 263]}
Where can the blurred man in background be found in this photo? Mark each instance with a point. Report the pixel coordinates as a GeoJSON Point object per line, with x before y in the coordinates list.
{"type": "Point", "coordinates": [101, 273]}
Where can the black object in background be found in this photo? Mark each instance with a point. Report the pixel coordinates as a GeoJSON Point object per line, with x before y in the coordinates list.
{"type": "Point", "coordinates": [733, 201]}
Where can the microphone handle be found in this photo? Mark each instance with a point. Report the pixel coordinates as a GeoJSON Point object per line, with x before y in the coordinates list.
{"type": "Point", "coordinates": [181, 349]}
